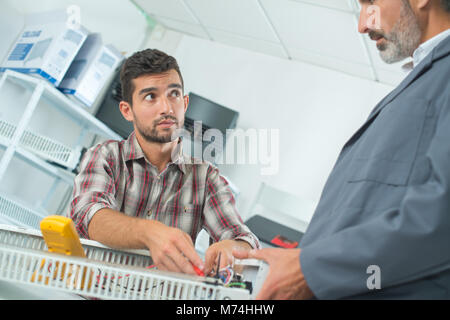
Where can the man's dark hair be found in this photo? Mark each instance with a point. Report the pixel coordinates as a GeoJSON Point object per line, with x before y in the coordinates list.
{"type": "Point", "coordinates": [446, 5]}
{"type": "Point", "coordinates": [146, 62]}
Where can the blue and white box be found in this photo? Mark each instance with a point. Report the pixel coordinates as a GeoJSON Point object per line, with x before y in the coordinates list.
{"type": "Point", "coordinates": [46, 46]}
{"type": "Point", "coordinates": [91, 70]}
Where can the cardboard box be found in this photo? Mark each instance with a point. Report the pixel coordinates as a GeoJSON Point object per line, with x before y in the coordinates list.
{"type": "Point", "coordinates": [91, 70]}
{"type": "Point", "coordinates": [46, 46]}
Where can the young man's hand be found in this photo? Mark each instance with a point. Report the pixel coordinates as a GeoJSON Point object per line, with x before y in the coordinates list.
{"type": "Point", "coordinates": [171, 248]}
{"type": "Point", "coordinates": [225, 248]}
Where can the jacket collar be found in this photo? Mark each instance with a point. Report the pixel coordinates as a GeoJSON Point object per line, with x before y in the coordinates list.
{"type": "Point", "coordinates": [441, 51]}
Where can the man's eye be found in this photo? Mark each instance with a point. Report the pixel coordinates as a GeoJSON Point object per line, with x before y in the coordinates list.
{"type": "Point", "coordinates": [175, 93]}
{"type": "Point", "coordinates": [149, 97]}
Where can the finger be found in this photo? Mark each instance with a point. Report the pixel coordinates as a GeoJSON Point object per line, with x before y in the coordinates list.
{"type": "Point", "coordinates": [210, 260]}
{"type": "Point", "coordinates": [261, 254]}
{"type": "Point", "coordinates": [186, 248]}
{"type": "Point", "coordinates": [199, 262]}
{"type": "Point", "coordinates": [188, 239]}
{"type": "Point", "coordinates": [183, 263]}
{"type": "Point", "coordinates": [174, 259]}
{"type": "Point", "coordinates": [240, 254]}
{"type": "Point", "coordinates": [226, 259]}
{"type": "Point", "coordinates": [167, 264]}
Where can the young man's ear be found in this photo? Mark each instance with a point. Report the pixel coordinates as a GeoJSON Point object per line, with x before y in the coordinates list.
{"type": "Point", "coordinates": [125, 109]}
{"type": "Point", "coordinates": [186, 102]}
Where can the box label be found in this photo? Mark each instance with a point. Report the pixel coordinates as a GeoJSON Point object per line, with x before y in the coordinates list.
{"type": "Point", "coordinates": [20, 51]}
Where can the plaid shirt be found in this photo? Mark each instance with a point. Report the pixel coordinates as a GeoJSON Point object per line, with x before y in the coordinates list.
{"type": "Point", "coordinates": [186, 194]}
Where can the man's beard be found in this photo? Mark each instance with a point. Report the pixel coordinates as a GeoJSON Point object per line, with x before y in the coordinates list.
{"type": "Point", "coordinates": [404, 38]}
{"type": "Point", "coordinates": [150, 134]}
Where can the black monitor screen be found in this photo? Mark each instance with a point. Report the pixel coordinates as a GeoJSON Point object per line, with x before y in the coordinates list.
{"type": "Point", "coordinates": [211, 114]}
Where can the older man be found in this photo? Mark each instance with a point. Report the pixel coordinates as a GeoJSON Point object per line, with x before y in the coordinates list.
{"type": "Point", "coordinates": [382, 227]}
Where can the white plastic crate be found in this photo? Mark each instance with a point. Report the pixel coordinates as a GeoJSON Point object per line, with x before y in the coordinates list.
{"type": "Point", "coordinates": [105, 273]}
{"type": "Point", "coordinates": [42, 146]}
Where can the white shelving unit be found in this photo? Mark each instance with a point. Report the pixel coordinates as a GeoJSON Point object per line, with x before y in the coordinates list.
{"type": "Point", "coordinates": [41, 152]}
{"type": "Point", "coordinates": [105, 273]}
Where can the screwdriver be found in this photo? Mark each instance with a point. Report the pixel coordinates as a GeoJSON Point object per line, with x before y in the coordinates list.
{"type": "Point", "coordinates": [218, 265]}
{"type": "Point", "coordinates": [197, 270]}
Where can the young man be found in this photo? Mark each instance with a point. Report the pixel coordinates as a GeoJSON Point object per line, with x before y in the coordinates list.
{"type": "Point", "coordinates": [143, 192]}
{"type": "Point", "coordinates": [382, 227]}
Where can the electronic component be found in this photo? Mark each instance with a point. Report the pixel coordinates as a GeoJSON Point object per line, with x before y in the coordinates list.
{"type": "Point", "coordinates": [228, 277]}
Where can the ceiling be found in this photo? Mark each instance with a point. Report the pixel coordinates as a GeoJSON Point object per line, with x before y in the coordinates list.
{"type": "Point", "coordinates": [319, 32]}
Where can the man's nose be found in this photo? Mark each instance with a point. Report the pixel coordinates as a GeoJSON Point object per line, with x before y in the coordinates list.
{"type": "Point", "coordinates": [363, 21]}
{"type": "Point", "coordinates": [165, 106]}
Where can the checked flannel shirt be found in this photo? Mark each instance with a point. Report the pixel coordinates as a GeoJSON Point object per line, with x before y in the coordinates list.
{"type": "Point", "coordinates": [186, 195]}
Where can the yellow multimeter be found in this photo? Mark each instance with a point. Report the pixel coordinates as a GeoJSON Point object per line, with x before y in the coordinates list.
{"type": "Point", "coordinates": [61, 237]}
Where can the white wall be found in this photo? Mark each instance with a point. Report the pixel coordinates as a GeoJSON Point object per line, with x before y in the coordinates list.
{"type": "Point", "coordinates": [11, 22]}
{"type": "Point", "coordinates": [315, 109]}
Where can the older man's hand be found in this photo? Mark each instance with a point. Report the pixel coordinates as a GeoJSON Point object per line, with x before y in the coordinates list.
{"type": "Point", "coordinates": [285, 278]}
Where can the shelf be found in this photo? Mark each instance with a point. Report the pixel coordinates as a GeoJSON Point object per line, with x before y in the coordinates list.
{"type": "Point", "coordinates": [42, 146]}
{"type": "Point", "coordinates": [24, 260]}
{"type": "Point", "coordinates": [74, 110]}
{"type": "Point", "coordinates": [18, 214]}
{"type": "Point", "coordinates": [30, 158]}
